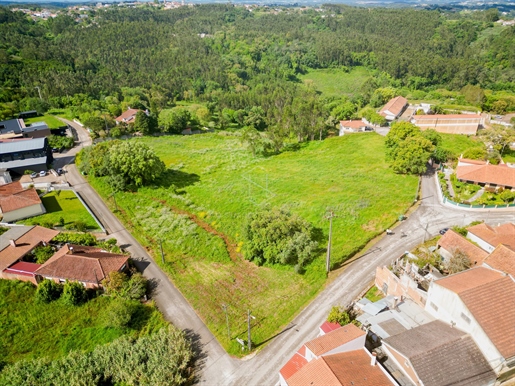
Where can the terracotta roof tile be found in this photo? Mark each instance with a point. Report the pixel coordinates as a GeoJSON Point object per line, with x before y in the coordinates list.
{"type": "Point", "coordinates": [490, 297]}
{"type": "Point", "coordinates": [395, 105]}
{"type": "Point", "coordinates": [85, 264]}
{"type": "Point", "coordinates": [328, 327]}
{"type": "Point", "coordinates": [296, 362]}
{"type": "Point", "coordinates": [334, 339]}
{"type": "Point", "coordinates": [13, 197]}
{"type": "Point", "coordinates": [472, 161]}
{"type": "Point", "coordinates": [24, 245]}
{"type": "Point", "coordinates": [348, 368]}
{"type": "Point", "coordinates": [23, 268]}
{"type": "Point", "coordinates": [441, 355]}
{"type": "Point", "coordinates": [503, 259]}
{"type": "Point", "coordinates": [427, 117]}
{"type": "Point", "coordinates": [487, 174]}
{"type": "Point", "coordinates": [354, 124]}
{"type": "Point", "coordinates": [128, 116]}
{"type": "Point", "coordinates": [502, 234]}
{"type": "Point", "coordinates": [452, 241]}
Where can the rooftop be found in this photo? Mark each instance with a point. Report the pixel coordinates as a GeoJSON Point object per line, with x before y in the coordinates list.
{"type": "Point", "coordinates": [347, 368]}
{"type": "Point", "coordinates": [85, 264]}
{"type": "Point", "coordinates": [128, 115]}
{"type": "Point", "coordinates": [501, 234]}
{"type": "Point", "coordinates": [489, 296]}
{"type": "Point", "coordinates": [354, 124]}
{"type": "Point", "coordinates": [487, 174]}
{"type": "Point", "coordinates": [328, 327]}
{"type": "Point", "coordinates": [334, 339]}
{"type": "Point", "coordinates": [14, 197]}
{"type": "Point", "coordinates": [442, 355]}
{"type": "Point", "coordinates": [17, 145]}
{"type": "Point", "coordinates": [425, 117]}
{"type": "Point", "coordinates": [503, 259]}
{"type": "Point", "coordinates": [394, 105]}
{"type": "Point", "coordinates": [453, 241]}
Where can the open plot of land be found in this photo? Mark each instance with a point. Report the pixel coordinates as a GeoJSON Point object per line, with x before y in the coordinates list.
{"type": "Point", "coordinates": [63, 204]}
{"type": "Point", "coordinates": [457, 144]}
{"type": "Point", "coordinates": [335, 82]}
{"type": "Point", "coordinates": [33, 330]}
{"type": "Point", "coordinates": [50, 120]}
{"type": "Point", "coordinates": [198, 209]}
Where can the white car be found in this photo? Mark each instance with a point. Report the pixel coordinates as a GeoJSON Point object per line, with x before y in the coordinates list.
{"type": "Point", "coordinates": [42, 173]}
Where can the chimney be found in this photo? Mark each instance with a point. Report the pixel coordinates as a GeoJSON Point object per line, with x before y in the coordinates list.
{"type": "Point", "coordinates": [373, 359]}
{"type": "Point", "coordinates": [71, 250]}
{"type": "Point", "coordinates": [395, 301]}
{"type": "Point", "coordinates": [13, 243]}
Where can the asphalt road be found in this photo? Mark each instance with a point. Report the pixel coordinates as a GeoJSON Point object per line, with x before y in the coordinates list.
{"type": "Point", "coordinates": [215, 366]}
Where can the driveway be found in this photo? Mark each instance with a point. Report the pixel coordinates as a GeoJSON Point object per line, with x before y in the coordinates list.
{"type": "Point", "coordinates": [215, 366]}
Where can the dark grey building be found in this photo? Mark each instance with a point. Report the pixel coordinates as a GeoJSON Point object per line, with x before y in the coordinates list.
{"type": "Point", "coordinates": [18, 155]}
{"type": "Point", "coordinates": [15, 128]}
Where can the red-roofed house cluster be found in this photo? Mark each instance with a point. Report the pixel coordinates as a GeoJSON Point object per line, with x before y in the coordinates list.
{"type": "Point", "coordinates": [87, 265]}
{"type": "Point", "coordinates": [485, 174]}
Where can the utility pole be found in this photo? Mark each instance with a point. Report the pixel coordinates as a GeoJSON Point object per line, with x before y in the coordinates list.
{"type": "Point", "coordinates": [248, 323]}
{"type": "Point", "coordinates": [39, 92]}
{"type": "Point", "coordinates": [162, 254]}
{"type": "Point", "coordinates": [330, 216]}
{"type": "Point", "coordinates": [224, 306]}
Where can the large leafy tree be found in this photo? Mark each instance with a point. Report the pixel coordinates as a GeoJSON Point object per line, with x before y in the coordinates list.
{"type": "Point", "coordinates": [135, 162]}
{"type": "Point", "coordinates": [412, 155]}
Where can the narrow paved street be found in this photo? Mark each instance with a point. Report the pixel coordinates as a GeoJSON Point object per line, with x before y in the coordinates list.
{"type": "Point", "coordinates": [216, 366]}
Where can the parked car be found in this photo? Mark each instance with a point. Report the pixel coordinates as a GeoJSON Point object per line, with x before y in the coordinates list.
{"type": "Point", "coordinates": [42, 173]}
{"type": "Point", "coordinates": [60, 171]}
{"type": "Point", "coordinates": [33, 175]}
{"type": "Point", "coordinates": [442, 231]}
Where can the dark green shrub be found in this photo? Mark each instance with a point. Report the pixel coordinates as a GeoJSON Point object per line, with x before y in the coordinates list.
{"type": "Point", "coordinates": [42, 253]}
{"type": "Point", "coordinates": [48, 291]}
{"type": "Point", "coordinates": [74, 293]}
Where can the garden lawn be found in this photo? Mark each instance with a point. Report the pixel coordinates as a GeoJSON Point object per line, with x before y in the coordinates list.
{"type": "Point", "coordinates": [336, 82]}
{"type": "Point", "coordinates": [50, 120]}
{"type": "Point", "coordinates": [199, 207]}
{"type": "Point", "coordinates": [63, 204]}
{"type": "Point", "coordinates": [457, 144]}
{"type": "Point", "coordinates": [32, 330]}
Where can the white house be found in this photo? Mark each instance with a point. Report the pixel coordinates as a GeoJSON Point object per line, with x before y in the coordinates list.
{"type": "Point", "coordinates": [17, 203]}
{"type": "Point", "coordinates": [481, 302]}
{"type": "Point", "coordinates": [394, 108]}
{"type": "Point", "coordinates": [489, 237]}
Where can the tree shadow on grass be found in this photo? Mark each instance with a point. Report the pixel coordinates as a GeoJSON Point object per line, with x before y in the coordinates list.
{"type": "Point", "coordinates": [177, 178]}
{"type": "Point", "coordinates": [140, 316]}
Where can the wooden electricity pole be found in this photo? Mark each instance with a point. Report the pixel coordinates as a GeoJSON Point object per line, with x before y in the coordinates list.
{"type": "Point", "coordinates": [330, 216]}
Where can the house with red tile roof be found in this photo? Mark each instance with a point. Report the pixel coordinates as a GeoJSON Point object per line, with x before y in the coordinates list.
{"type": "Point", "coordinates": [394, 108]}
{"type": "Point", "coordinates": [353, 126]}
{"type": "Point", "coordinates": [452, 242]}
{"type": "Point", "coordinates": [467, 124]}
{"type": "Point", "coordinates": [436, 354]}
{"type": "Point", "coordinates": [502, 259]}
{"type": "Point", "coordinates": [17, 203]}
{"type": "Point", "coordinates": [486, 174]}
{"type": "Point", "coordinates": [490, 237]}
{"type": "Point", "coordinates": [328, 327]}
{"type": "Point", "coordinates": [15, 245]}
{"type": "Point", "coordinates": [128, 116]}
{"type": "Point", "coordinates": [338, 357]}
{"type": "Point", "coordinates": [481, 302]}
{"type": "Point", "coordinates": [87, 265]}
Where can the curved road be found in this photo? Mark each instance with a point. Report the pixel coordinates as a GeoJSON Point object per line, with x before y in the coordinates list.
{"type": "Point", "coordinates": [215, 366]}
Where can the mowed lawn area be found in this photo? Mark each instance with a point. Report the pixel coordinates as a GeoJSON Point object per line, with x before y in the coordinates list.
{"type": "Point", "coordinates": [63, 204]}
{"type": "Point", "coordinates": [198, 209]}
{"type": "Point", "coordinates": [32, 330]}
{"type": "Point", "coordinates": [336, 82]}
{"type": "Point", "coordinates": [51, 121]}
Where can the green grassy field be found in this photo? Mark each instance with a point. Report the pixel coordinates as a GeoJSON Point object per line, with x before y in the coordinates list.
{"type": "Point", "coordinates": [335, 82]}
{"type": "Point", "coordinates": [457, 143]}
{"type": "Point", "coordinates": [32, 330]}
{"type": "Point", "coordinates": [509, 155]}
{"type": "Point", "coordinates": [198, 209]}
{"type": "Point", "coordinates": [65, 204]}
{"type": "Point", "coordinates": [50, 120]}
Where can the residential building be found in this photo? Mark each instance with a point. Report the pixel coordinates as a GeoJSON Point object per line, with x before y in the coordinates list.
{"type": "Point", "coordinates": [87, 265]}
{"type": "Point", "coordinates": [17, 243]}
{"type": "Point", "coordinates": [452, 243]}
{"type": "Point", "coordinates": [394, 108]}
{"type": "Point", "coordinates": [18, 155]}
{"type": "Point", "coordinates": [502, 259]}
{"type": "Point", "coordinates": [450, 123]}
{"type": "Point", "coordinates": [17, 203]}
{"type": "Point", "coordinates": [15, 128]}
{"type": "Point", "coordinates": [353, 126]}
{"type": "Point", "coordinates": [485, 174]}
{"type": "Point", "coordinates": [337, 358]}
{"type": "Point", "coordinates": [481, 302]}
{"type": "Point", "coordinates": [489, 237]}
{"type": "Point", "coordinates": [128, 116]}
{"type": "Point", "coordinates": [436, 354]}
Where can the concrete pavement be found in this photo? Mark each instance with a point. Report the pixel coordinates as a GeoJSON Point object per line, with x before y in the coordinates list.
{"type": "Point", "coordinates": [216, 367]}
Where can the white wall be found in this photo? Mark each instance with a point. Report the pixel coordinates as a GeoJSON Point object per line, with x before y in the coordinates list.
{"type": "Point", "coordinates": [483, 244]}
{"type": "Point", "coordinates": [450, 307]}
{"type": "Point", "coordinates": [29, 211]}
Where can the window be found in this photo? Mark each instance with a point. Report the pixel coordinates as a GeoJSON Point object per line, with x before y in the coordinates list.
{"type": "Point", "coordinates": [465, 317]}
{"type": "Point", "coordinates": [434, 306]}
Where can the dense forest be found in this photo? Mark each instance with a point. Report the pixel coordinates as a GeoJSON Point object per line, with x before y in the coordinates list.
{"type": "Point", "coordinates": [243, 66]}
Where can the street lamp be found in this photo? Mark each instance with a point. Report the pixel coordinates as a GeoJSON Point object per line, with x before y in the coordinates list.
{"type": "Point", "coordinates": [249, 315]}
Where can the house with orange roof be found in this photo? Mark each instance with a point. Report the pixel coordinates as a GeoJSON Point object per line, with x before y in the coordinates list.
{"type": "Point", "coordinates": [353, 126]}
{"type": "Point", "coordinates": [87, 265]}
{"type": "Point", "coordinates": [486, 174]}
{"type": "Point", "coordinates": [15, 245]}
{"type": "Point", "coordinates": [17, 203]}
{"type": "Point", "coordinates": [338, 357]}
{"type": "Point", "coordinates": [128, 116]}
{"type": "Point", "coordinates": [490, 237]}
{"type": "Point", "coordinates": [502, 259]}
{"type": "Point", "coordinates": [452, 242]}
{"type": "Point", "coordinates": [394, 108]}
{"type": "Point", "coordinates": [480, 302]}
{"type": "Point", "coordinates": [467, 124]}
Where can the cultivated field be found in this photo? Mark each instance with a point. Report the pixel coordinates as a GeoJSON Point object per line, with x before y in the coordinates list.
{"type": "Point", "coordinates": [335, 82]}
{"type": "Point", "coordinates": [213, 182]}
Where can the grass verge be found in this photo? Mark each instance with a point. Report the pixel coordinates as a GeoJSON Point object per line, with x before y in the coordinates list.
{"type": "Point", "coordinates": [51, 121]}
